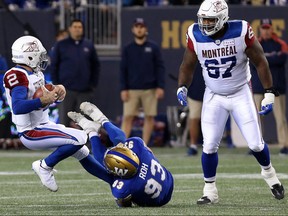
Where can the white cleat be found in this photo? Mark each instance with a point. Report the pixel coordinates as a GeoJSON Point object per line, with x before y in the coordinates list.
{"type": "Point", "coordinates": [210, 194]}
{"type": "Point", "coordinates": [87, 125]}
{"type": "Point", "coordinates": [93, 111]}
{"type": "Point", "coordinates": [46, 176]}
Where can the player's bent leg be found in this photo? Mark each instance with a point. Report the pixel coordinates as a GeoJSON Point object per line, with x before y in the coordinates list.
{"type": "Point", "coordinates": [45, 174]}
{"type": "Point", "coordinates": [210, 194]}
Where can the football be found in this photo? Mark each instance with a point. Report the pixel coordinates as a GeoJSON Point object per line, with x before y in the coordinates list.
{"type": "Point", "coordinates": [39, 93]}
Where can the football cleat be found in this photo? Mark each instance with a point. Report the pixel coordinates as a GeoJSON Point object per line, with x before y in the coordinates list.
{"type": "Point", "coordinates": [46, 175]}
{"type": "Point", "coordinates": [210, 194]}
{"type": "Point", "coordinates": [278, 191]}
{"type": "Point", "coordinates": [93, 111]}
{"type": "Point", "coordinates": [273, 182]}
{"type": "Point", "coordinates": [87, 125]}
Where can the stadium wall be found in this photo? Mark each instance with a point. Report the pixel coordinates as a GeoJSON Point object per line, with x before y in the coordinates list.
{"type": "Point", "coordinates": [167, 26]}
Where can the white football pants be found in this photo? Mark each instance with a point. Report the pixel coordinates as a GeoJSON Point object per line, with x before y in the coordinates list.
{"type": "Point", "coordinates": [241, 106]}
{"type": "Point", "coordinates": [51, 136]}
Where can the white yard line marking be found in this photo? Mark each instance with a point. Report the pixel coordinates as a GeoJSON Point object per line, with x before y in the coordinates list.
{"type": "Point", "coordinates": [176, 176]}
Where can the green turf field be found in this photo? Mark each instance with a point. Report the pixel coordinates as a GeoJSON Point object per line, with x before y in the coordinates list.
{"type": "Point", "coordinates": [241, 189]}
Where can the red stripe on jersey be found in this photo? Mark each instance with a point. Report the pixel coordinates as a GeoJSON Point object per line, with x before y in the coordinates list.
{"type": "Point", "coordinates": [15, 78]}
{"type": "Point", "coordinates": [36, 134]}
{"type": "Point", "coordinates": [250, 36]}
{"type": "Point", "coordinates": [190, 43]}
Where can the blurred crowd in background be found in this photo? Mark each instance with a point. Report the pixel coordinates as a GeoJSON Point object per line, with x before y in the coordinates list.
{"type": "Point", "coordinates": [45, 4]}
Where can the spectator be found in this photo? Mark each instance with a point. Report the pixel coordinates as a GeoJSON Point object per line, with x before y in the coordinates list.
{"type": "Point", "coordinates": [275, 51]}
{"type": "Point", "coordinates": [142, 79]}
{"type": "Point", "coordinates": [75, 64]}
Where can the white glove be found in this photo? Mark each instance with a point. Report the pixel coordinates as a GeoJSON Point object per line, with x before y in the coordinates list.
{"type": "Point", "coordinates": [267, 103]}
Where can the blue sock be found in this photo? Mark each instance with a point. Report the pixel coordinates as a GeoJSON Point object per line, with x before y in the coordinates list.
{"type": "Point", "coordinates": [209, 164]}
{"type": "Point", "coordinates": [95, 168]}
{"type": "Point", "coordinates": [61, 153]}
{"type": "Point", "coordinates": [263, 157]}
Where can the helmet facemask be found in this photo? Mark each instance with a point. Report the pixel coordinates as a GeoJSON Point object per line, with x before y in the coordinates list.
{"type": "Point", "coordinates": [43, 62]}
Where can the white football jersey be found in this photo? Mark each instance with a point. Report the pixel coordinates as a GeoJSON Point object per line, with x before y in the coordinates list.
{"type": "Point", "coordinates": [17, 76]}
{"type": "Point", "coordinates": [225, 65]}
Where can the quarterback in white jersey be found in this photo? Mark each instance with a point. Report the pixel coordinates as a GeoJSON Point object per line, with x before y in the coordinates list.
{"type": "Point", "coordinates": [30, 116]}
{"type": "Point", "coordinates": [224, 49]}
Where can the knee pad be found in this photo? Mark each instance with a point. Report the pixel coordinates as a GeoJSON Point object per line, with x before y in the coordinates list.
{"type": "Point", "coordinates": [81, 138]}
{"type": "Point", "coordinates": [81, 153]}
{"type": "Point", "coordinates": [210, 149]}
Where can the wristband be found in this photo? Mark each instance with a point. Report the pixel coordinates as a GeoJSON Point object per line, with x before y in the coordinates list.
{"type": "Point", "coordinates": [273, 91]}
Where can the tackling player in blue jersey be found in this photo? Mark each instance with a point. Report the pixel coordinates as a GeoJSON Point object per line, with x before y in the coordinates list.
{"type": "Point", "coordinates": [134, 173]}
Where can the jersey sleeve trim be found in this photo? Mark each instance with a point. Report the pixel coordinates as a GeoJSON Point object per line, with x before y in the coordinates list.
{"type": "Point", "coordinates": [15, 78]}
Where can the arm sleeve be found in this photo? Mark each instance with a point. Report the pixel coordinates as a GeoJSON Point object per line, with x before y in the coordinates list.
{"type": "Point", "coordinates": [20, 104]}
{"type": "Point", "coordinates": [250, 36]}
{"type": "Point", "coordinates": [116, 135]}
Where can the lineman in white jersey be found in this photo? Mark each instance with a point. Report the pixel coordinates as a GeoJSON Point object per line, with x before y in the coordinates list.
{"type": "Point", "coordinates": [30, 116]}
{"type": "Point", "coordinates": [223, 48]}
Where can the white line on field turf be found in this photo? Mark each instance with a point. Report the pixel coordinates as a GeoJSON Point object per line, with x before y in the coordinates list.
{"type": "Point", "coordinates": [176, 176]}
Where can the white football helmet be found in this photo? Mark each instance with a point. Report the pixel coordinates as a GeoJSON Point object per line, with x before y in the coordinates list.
{"type": "Point", "coordinates": [28, 50]}
{"type": "Point", "coordinates": [212, 9]}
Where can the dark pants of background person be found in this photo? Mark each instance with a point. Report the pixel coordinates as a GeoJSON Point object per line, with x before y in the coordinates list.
{"type": "Point", "coordinates": [72, 102]}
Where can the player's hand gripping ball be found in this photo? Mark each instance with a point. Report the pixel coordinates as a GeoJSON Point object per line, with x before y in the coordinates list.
{"type": "Point", "coordinates": [39, 93]}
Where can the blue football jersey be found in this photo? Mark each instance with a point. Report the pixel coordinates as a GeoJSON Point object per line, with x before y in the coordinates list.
{"type": "Point", "coordinates": [152, 185]}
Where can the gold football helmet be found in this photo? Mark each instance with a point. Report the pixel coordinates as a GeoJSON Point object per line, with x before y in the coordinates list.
{"type": "Point", "coordinates": [121, 161]}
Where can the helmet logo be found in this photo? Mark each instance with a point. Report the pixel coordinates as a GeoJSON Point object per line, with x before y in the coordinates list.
{"type": "Point", "coordinates": [219, 6]}
{"type": "Point", "coordinates": [32, 47]}
{"type": "Point", "coordinates": [120, 172]}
